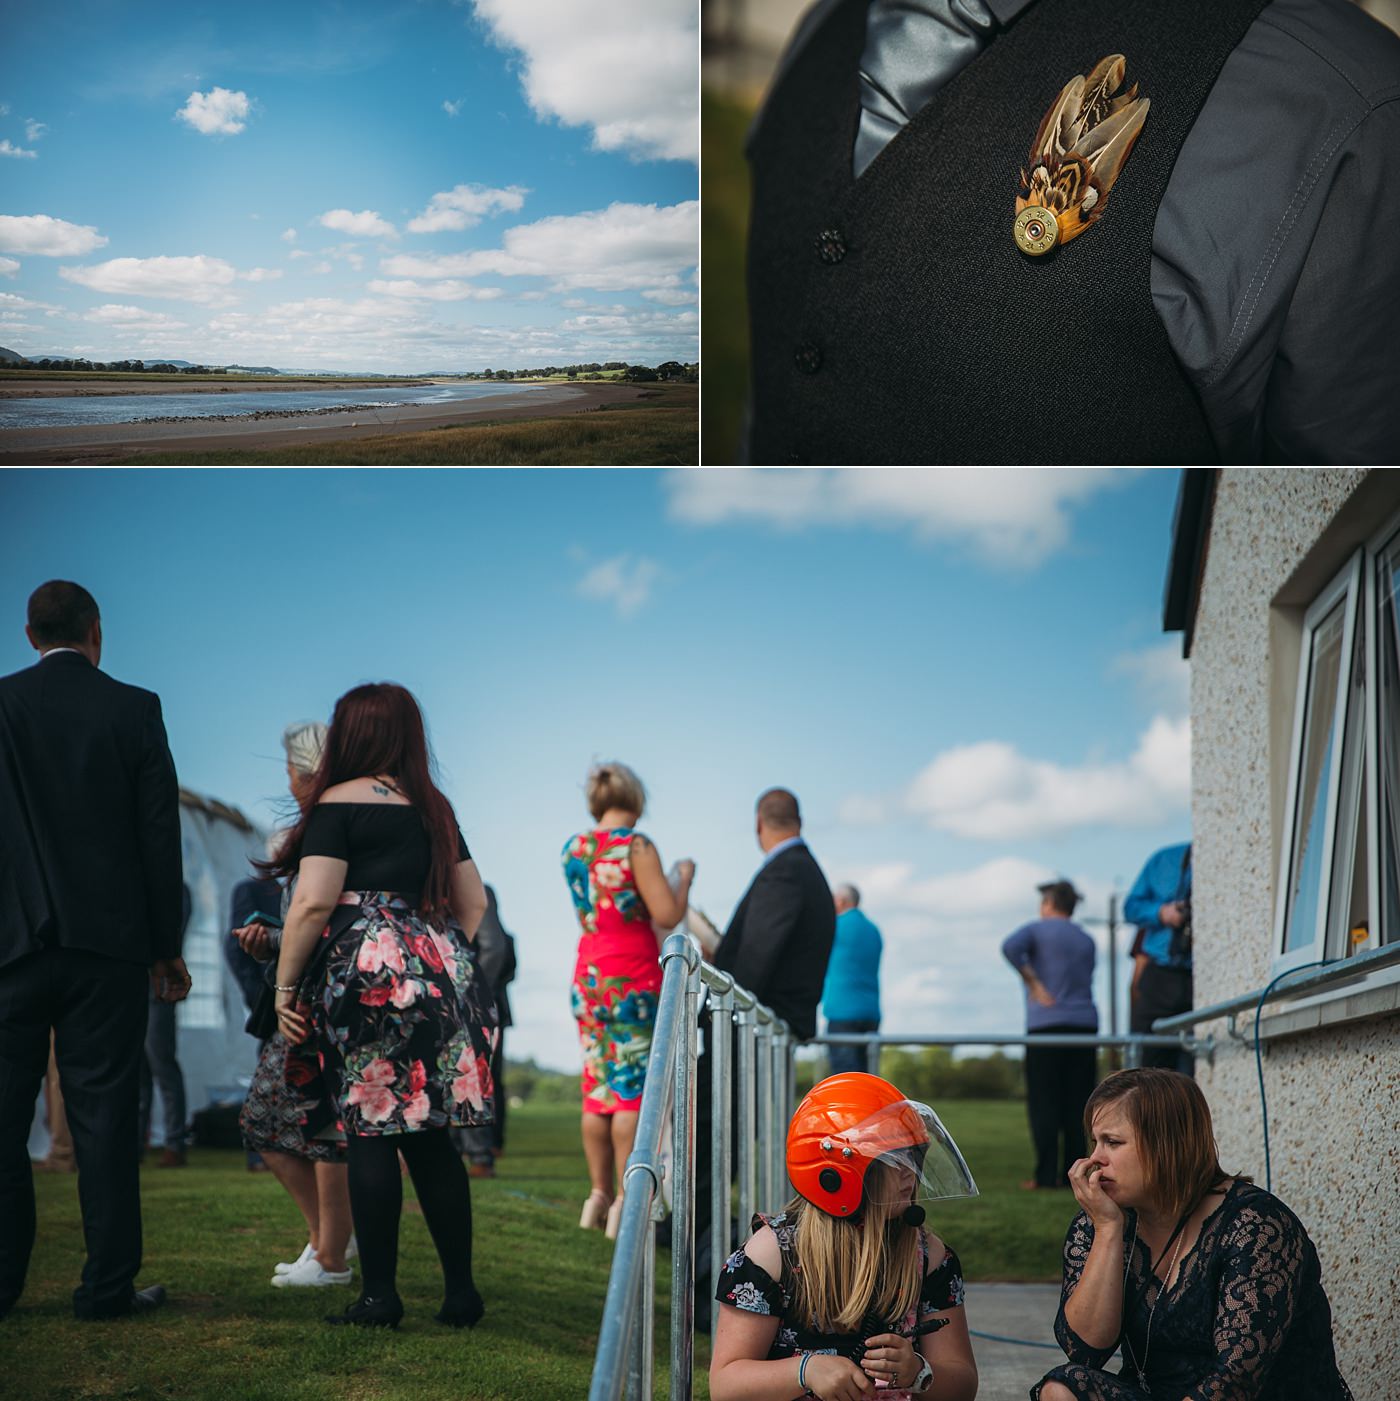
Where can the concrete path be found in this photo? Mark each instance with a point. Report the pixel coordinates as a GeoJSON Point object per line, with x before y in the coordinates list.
{"type": "Point", "coordinates": [1007, 1370]}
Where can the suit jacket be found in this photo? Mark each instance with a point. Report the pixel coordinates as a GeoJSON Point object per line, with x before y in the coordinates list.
{"type": "Point", "coordinates": [780, 937]}
{"type": "Point", "coordinates": [89, 816]}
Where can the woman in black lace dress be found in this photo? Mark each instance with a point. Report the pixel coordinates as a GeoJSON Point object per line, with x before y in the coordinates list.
{"type": "Point", "coordinates": [1208, 1283]}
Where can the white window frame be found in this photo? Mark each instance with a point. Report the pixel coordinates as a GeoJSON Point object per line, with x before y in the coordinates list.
{"type": "Point", "coordinates": [1357, 581]}
{"type": "Point", "coordinates": [1346, 585]}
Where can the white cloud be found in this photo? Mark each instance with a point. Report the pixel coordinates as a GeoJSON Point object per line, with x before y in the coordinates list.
{"type": "Point", "coordinates": [323, 267]}
{"type": "Point", "coordinates": [452, 108]}
{"type": "Point", "coordinates": [990, 791]}
{"type": "Point", "coordinates": [10, 302]}
{"type": "Point", "coordinates": [672, 296]}
{"type": "Point", "coordinates": [289, 235]}
{"type": "Point", "coordinates": [436, 291]}
{"type": "Point", "coordinates": [298, 253]}
{"type": "Point", "coordinates": [8, 267]}
{"type": "Point", "coordinates": [6, 149]}
{"type": "Point", "coordinates": [464, 206]}
{"type": "Point", "coordinates": [1012, 517]}
{"type": "Point", "coordinates": [1162, 676]}
{"type": "Point", "coordinates": [626, 68]}
{"type": "Point", "coordinates": [622, 247]}
{"type": "Point", "coordinates": [48, 237]}
{"type": "Point", "coordinates": [193, 279]}
{"type": "Point", "coordinates": [132, 317]}
{"type": "Point", "coordinates": [365, 224]}
{"type": "Point", "coordinates": [33, 130]}
{"type": "Point", "coordinates": [623, 581]}
{"type": "Point", "coordinates": [216, 112]}
{"type": "Point", "coordinates": [261, 274]}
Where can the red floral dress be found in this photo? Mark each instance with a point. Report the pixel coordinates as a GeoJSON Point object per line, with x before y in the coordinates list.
{"type": "Point", "coordinates": [617, 977]}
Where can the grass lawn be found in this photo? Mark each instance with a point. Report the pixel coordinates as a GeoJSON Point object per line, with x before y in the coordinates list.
{"type": "Point", "coordinates": [213, 1232]}
{"type": "Point", "coordinates": [661, 429]}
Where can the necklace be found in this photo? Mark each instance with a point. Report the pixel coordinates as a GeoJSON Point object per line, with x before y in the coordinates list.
{"type": "Point", "coordinates": [1140, 1368]}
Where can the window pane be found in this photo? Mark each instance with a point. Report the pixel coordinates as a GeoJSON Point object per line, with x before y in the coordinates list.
{"type": "Point", "coordinates": [1388, 657]}
{"type": "Point", "coordinates": [1310, 817]}
{"type": "Point", "coordinates": [1347, 929]}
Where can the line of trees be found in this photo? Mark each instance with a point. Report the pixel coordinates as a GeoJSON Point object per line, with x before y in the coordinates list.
{"type": "Point", "coordinates": [125, 367]}
{"type": "Point", "coordinates": [670, 370]}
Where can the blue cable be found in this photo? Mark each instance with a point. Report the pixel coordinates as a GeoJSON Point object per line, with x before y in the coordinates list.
{"type": "Point", "coordinates": [1259, 1059]}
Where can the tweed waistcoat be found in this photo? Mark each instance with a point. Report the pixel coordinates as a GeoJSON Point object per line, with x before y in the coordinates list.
{"type": "Point", "coordinates": [893, 318]}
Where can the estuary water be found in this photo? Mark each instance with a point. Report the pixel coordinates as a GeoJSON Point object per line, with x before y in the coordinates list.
{"type": "Point", "coordinates": [381, 400]}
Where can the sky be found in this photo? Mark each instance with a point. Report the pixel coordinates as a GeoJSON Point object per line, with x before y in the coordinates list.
{"type": "Point", "coordinates": [344, 185]}
{"type": "Point", "coordinates": [961, 674]}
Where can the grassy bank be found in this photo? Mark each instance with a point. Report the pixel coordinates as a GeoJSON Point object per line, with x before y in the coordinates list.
{"type": "Point", "coordinates": [659, 430]}
{"type": "Point", "coordinates": [213, 1232]}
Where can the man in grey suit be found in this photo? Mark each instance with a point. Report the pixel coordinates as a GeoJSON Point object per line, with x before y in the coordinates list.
{"type": "Point", "coordinates": [90, 904]}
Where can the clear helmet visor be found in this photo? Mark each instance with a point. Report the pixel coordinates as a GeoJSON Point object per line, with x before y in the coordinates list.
{"type": "Point", "coordinates": [910, 1157]}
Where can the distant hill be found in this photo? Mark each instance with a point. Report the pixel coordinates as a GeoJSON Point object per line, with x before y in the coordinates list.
{"type": "Point", "coordinates": [13, 355]}
{"type": "Point", "coordinates": [246, 369]}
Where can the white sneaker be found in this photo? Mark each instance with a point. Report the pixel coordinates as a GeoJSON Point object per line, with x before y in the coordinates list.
{"type": "Point", "coordinates": [309, 1274]}
{"type": "Point", "coordinates": [309, 1253]}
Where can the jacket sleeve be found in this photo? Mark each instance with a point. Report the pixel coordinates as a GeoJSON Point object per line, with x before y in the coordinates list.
{"type": "Point", "coordinates": [1019, 948]}
{"type": "Point", "coordinates": [158, 834]}
{"type": "Point", "coordinates": [774, 907]}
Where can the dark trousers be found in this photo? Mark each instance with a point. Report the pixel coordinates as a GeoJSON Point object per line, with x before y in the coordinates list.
{"type": "Point", "coordinates": [1059, 1081]}
{"type": "Point", "coordinates": [161, 1065]}
{"type": "Point", "coordinates": [96, 1008]}
{"type": "Point", "coordinates": [844, 1058]}
{"type": "Point", "coordinates": [1162, 992]}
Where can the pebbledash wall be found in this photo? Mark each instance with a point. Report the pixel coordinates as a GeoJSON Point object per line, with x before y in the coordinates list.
{"type": "Point", "coordinates": [1271, 543]}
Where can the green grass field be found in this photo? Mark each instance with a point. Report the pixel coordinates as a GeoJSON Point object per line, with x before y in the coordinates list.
{"type": "Point", "coordinates": [213, 1232]}
{"type": "Point", "coordinates": [660, 430]}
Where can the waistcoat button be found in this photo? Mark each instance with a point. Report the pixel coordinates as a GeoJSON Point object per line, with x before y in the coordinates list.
{"type": "Point", "coordinates": [808, 358]}
{"type": "Point", "coordinates": [831, 245]}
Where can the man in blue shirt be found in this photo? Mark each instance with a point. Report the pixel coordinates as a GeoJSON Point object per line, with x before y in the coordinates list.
{"type": "Point", "coordinates": [851, 994]}
{"type": "Point", "coordinates": [1055, 959]}
{"type": "Point", "coordinates": [1160, 905]}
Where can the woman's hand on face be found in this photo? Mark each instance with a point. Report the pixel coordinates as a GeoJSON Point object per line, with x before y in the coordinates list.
{"type": "Point", "coordinates": [890, 1358]}
{"type": "Point", "coordinates": [292, 1018]}
{"type": "Point", "coordinates": [1102, 1210]}
{"type": "Point", "coordinates": [832, 1378]}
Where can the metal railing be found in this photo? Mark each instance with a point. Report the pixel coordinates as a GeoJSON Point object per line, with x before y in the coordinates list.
{"type": "Point", "coordinates": [1130, 1042]}
{"type": "Point", "coordinates": [752, 1080]}
{"type": "Point", "coordinates": [1307, 980]}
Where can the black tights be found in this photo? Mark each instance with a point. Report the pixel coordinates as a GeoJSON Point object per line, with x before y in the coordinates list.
{"type": "Point", "coordinates": [376, 1204]}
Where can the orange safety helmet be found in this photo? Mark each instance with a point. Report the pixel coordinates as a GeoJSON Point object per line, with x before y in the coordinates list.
{"type": "Point", "coordinates": [847, 1122]}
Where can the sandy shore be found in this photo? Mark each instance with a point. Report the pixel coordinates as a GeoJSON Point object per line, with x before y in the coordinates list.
{"type": "Point", "coordinates": [115, 442]}
{"type": "Point", "coordinates": [177, 384]}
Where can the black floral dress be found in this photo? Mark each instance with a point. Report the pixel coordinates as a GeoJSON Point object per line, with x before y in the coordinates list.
{"type": "Point", "coordinates": [750, 1287]}
{"type": "Point", "coordinates": [404, 1022]}
{"type": "Point", "coordinates": [1245, 1320]}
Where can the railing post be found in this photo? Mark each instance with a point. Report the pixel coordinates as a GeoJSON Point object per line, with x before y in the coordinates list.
{"type": "Point", "coordinates": [744, 1063]}
{"type": "Point", "coordinates": [872, 1057]}
{"type": "Point", "coordinates": [720, 1040]}
{"type": "Point", "coordinates": [642, 1345]}
{"type": "Point", "coordinates": [782, 1115]}
{"type": "Point", "coordinates": [683, 1193]}
{"type": "Point", "coordinates": [763, 1084]}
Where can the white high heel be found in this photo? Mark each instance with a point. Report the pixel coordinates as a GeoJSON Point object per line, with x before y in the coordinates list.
{"type": "Point", "coordinates": [614, 1219]}
{"type": "Point", "coordinates": [596, 1211]}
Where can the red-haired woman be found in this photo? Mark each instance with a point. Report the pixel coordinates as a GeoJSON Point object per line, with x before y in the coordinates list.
{"type": "Point", "coordinates": [378, 984]}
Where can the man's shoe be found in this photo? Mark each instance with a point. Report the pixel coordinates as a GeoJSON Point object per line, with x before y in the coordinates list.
{"type": "Point", "coordinates": [370, 1313]}
{"type": "Point", "coordinates": [482, 1170]}
{"type": "Point", "coordinates": [172, 1157]}
{"type": "Point", "coordinates": [148, 1299]}
{"type": "Point", "coordinates": [142, 1301]}
{"type": "Point", "coordinates": [310, 1274]}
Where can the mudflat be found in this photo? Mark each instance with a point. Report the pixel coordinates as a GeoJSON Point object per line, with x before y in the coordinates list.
{"type": "Point", "coordinates": [115, 442]}
{"type": "Point", "coordinates": [176, 384]}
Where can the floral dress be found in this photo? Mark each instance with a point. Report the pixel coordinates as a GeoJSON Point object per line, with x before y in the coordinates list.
{"type": "Point", "coordinates": [750, 1287]}
{"type": "Point", "coordinates": [403, 1020]}
{"type": "Point", "coordinates": [1244, 1320]}
{"type": "Point", "coordinates": [617, 977]}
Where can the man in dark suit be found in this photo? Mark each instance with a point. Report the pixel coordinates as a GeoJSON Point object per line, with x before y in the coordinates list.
{"type": "Point", "coordinates": [777, 946]}
{"type": "Point", "coordinates": [90, 902]}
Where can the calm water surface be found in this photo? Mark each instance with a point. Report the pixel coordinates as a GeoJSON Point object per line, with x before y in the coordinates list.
{"type": "Point", "coordinates": [127, 408]}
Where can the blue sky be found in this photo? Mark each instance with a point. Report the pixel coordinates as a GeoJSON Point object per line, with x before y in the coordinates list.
{"type": "Point", "coordinates": [961, 674]}
{"type": "Point", "coordinates": [429, 184]}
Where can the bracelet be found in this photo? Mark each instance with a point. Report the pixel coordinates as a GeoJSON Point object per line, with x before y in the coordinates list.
{"type": "Point", "coordinates": [802, 1373]}
{"type": "Point", "coordinates": [277, 987]}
